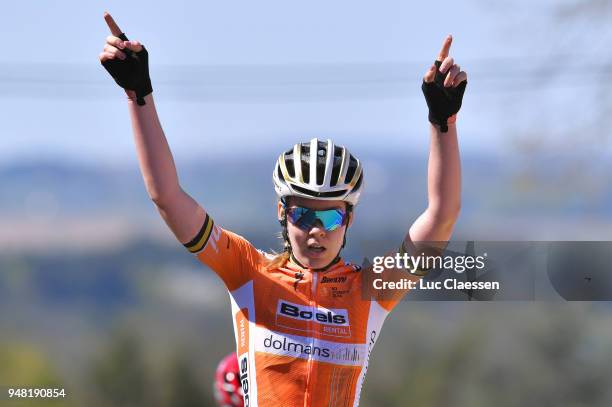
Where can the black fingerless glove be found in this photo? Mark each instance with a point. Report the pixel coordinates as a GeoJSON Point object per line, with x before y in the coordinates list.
{"type": "Point", "coordinates": [442, 102]}
{"type": "Point", "coordinates": [132, 73]}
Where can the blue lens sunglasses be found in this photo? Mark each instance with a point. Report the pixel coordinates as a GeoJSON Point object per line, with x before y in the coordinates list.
{"type": "Point", "coordinates": [306, 218]}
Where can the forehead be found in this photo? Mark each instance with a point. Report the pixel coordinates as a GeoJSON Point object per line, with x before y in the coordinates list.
{"type": "Point", "coordinates": [315, 203]}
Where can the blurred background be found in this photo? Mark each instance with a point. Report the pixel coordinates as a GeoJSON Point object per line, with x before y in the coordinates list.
{"type": "Point", "coordinates": [98, 297]}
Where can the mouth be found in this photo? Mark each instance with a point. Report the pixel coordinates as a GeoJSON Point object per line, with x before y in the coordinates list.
{"type": "Point", "coordinates": [316, 248]}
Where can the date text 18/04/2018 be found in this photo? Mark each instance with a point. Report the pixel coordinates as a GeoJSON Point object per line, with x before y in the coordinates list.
{"type": "Point", "coordinates": [448, 284]}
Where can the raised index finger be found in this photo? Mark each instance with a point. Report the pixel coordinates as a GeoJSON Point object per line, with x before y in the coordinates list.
{"type": "Point", "coordinates": [445, 48]}
{"type": "Point", "coordinates": [112, 25]}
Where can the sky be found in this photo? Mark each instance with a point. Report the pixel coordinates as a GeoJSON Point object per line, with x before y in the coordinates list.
{"type": "Point", "coordinates": [244, 77]}
{"type": "Point", "coordinates": [235, 79]}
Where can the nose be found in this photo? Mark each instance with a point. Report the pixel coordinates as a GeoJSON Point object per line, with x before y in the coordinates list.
{"type": "Point", "coordinates": [317, 229]}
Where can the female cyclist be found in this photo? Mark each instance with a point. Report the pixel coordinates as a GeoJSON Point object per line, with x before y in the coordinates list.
{"type": "Point", "coordinates": [303, 330]}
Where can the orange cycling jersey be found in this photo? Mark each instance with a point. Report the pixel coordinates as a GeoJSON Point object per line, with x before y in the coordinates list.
{"type": "Point", "coordinates": [303, 338]}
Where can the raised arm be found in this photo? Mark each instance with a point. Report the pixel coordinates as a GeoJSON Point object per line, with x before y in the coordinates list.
{"type": "Point", "coordinates": [183, 215]}
{"type": "Point", "coordinates": [443, 188]}
{"type": "Point", "coordinates": [443, 87]}
{"type": "Point", "coordinates": [127, 61]}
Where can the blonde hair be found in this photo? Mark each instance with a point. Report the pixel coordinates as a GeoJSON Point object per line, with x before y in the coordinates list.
{"type": "Point", "coordinates": [279, 260]}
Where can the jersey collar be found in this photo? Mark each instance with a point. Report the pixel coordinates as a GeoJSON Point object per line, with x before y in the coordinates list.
{"type": "Point", "coordinates": [295, 265]}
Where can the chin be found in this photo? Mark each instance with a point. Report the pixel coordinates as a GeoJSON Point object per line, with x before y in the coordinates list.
{"type": "Point", "coordinates": [315, 263]}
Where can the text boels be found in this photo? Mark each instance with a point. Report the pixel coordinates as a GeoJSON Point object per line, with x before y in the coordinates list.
{"type": "Point", "coordinates": [295, 312]}
{"type": "Point", "coordinates": [244, 378]}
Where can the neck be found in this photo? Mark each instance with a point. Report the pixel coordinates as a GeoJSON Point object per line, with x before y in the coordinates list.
{"type": "Point", "coordinates": [334, 261]}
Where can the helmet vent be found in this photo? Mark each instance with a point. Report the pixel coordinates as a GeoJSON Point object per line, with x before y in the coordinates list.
{"type": "Point", "coordinates": [331, 194]}
{"type": "Point", "coordinates": [337, 163]}
{"type": "Point", "coordinates": [321, 159]}
{"type": "Point", "coordinates": [280, 174]}
{"type": "Point", "coordinates": [320, 170]}
{"type": "Point", "coordinates": [358, 183]}
{"type": "Point", "coordinates": [351, 169]}
{"type": "Point", "coordinates": [289, 163]}
{"type": "Point", "coordinates": [305, 170]}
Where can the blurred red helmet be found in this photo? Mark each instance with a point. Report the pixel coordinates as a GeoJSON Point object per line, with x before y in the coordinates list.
{"type": "Point", "coordinates": [228, 390]}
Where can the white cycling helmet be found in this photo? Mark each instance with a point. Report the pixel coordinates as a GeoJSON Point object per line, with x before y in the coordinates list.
{"type": "Point", "coordinates": [324, 171]}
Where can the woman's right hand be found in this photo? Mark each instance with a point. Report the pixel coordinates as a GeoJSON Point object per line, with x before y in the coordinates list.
{"type": "Point", "coordinates": [127, 62]}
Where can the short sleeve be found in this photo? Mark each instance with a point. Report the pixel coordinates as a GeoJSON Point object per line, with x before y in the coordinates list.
{"type": "Point", "coordinates": [389, 298]}
{"type": "Point", "coordinates": [230, 256]}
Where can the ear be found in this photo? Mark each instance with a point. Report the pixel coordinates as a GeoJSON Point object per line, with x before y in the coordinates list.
{"type": "Point", "coordinates": [280, 211]}
{"type": "Point", "coordinates": [350, 221]}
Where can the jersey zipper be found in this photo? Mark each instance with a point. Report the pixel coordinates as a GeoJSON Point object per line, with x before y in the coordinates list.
{"type": "Point", "coordinates": [313, 305]}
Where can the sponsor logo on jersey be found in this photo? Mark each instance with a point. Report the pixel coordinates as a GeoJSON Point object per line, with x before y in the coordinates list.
{"type": "Point", "coordinates": [242, 330]}
{"type": "Point", "coordinates": [347, 354]}
{"type": "Point", "coordinates": [332, 322]}
{"type": "Point", "coordinates": [336, 293]}
{"type": "Point", "coordinates": [244, 378]}
{"type": "Point", "coordinates": [341, 279]}
{"type": "Point", "coordinates": [319, 315]}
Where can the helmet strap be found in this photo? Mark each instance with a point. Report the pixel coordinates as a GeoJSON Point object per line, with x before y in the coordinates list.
{"type": "Point", "coordinates": [349, 211]}
{"type": "Point", "coordinates": [283, 222]}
